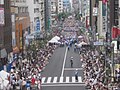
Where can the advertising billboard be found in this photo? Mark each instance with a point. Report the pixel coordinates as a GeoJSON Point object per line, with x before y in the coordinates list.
{"type": "Point", "coordinates": [1, 2]}
{"type": "Point", "coordinates": [1, 16]}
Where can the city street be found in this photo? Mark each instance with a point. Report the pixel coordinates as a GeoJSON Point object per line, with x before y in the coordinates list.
{"type": "Point", "coordinates": [59, 44]}
{"type": "Point", "coordinates": [58, 75]}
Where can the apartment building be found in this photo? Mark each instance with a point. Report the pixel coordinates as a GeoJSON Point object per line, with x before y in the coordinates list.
{"type": "Point", "coordinates": [36, 12]}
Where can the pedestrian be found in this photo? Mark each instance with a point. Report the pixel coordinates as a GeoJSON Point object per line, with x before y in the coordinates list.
{"type": "Point", "coordinates": [76, 75]}
{"type": "Point", "coordinates": [71, 62]}
{"type": "Point", "coordinates": [68, 47]}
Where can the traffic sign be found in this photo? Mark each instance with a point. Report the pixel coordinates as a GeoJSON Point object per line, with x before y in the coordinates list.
{"type": "Point", "coordinates": [98, 43]}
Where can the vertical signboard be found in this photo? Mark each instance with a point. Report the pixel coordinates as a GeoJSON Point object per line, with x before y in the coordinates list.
{"type": "Point", "coordinates": [38, 25]}
{"type": "Point", "coordinates": [95, 11]}
{"type": "Point", "coordinates": [21, 36]}
{"type": "Point", "coordinates": [1, 16]}
{"type": "Point", "coordinates": [104, 17]}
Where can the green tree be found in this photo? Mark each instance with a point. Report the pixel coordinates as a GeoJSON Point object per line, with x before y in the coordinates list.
{"type": "Point", "coordinates": [62, 16]}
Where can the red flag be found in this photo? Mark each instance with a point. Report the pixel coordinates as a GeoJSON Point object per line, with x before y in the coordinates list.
{"type": "Point", "coordinates": [104, 1]}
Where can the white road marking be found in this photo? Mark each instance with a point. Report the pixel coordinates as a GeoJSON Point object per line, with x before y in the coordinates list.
{"type": "Point", "coordinates": [49, 79]}
{"type": "Point", "coordinates": [80, 79]}
{"type": "Point", "coordinates": [64, 62]}
{"type": "Point", "coordinates": [73, 79]}
{"type": "Point", "coordinates": [61, 79]}
{"type": "Point", "coordinates": [43, 79]}
{"type": "Point", "coordinates": [73, 68]}
{"type": "Point", "coordinates": [67, 79]}
{"type": "Point", "coordinates": [55, 79]}
{"type": "Point", "coordinates": [55, 85]}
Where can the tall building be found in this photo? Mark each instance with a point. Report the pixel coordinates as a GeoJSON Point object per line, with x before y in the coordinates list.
{"type": "Point", "coordinates": [119, 14]}
{"type": "Point", "coordinates": [60, 6]}
{"type": "Point", "coordinates": [53, 12]}
{"type": "Point", "coordinates": [75, 5]}
{"type": "Point", "coordinates": [114, 17]}
{"type": "Point", "coordinates": [102, 20]}
{"type": "Point", "coordinates": [36, 12]}
{"type": "Point", "coordinates": [114, 7]}
{"type": "Point", "coordinates": [56, 8]}
{"type": "Point", "coordinates": [47, 15]}
{"type": "Point", "coordinates": [66, 6]}
{"type": "Point", "coordinates": [20, 25]}
{"type": "Point", "coordinates": [85, 11]}
{"type": "Point", "coordinates": [5, 32]}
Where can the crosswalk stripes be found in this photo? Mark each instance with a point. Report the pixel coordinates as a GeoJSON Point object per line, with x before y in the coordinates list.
{"type": "Point", "coordinates": [49, 80]}
{"type": "Point", "coordinates": [61, 79]}
{"type": "Point", "coordinates": [73, 79]}
{"type": "Point", "coordinates": [55, 79]}
{"type": "Point", "coordinates": [67, 79]}
{"type": "Point", "coordinates": [43, 79]}
{"type": "Point", "coordinates": [79, 79]}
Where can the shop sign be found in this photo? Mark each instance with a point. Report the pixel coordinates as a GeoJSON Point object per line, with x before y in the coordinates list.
{"type": "Point", "coordinates": [1, 16]}
{"type": "Point", "coordinates": [95, 11]}
{"type": "Point", "coordinates": [1, 2]}
{"type": "Point", "coordinates": [38, 25]}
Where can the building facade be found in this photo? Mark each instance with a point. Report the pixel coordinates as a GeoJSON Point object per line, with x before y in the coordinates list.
{"type": "Point", "coordinates": [75, 5]}
{"type": "Point", "coordinates": [119, 14]}
{"type": "Point", "coordinates": [60, 6]}
{"type": "Point", "coordinates": [47, 16]}
{"type": "Point", "coordinates": [5, 32]}
{"type": "Point", "coordinates": [36, 12]}
{"type": "Point", "coordinates": [20, 25]}
{"type": "Point", "coordinates": [114, 17]}
{"type": "Point", "coordinates": [53, 13]}
{"type": "Point", "coordinates": [66, 6]}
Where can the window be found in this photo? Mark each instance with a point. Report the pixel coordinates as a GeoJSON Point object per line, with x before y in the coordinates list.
{"type": "Point", "coordinates": [36, 10]}
{"type": "Point", "coordinates": [26, 9]}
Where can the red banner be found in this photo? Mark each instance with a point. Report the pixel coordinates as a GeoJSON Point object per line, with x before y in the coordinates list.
{"type": "Point", "coordinates": [104, 1]}
{"type": "Point", "coordinates": [115, 32]}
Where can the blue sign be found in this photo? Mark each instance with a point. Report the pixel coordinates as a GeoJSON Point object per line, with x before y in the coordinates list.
{"type": "Point", "coordinates": [38, 25]}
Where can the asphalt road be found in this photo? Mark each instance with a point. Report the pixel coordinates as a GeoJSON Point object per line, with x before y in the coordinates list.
{"type": "Point", "coordinates": [58, 75]}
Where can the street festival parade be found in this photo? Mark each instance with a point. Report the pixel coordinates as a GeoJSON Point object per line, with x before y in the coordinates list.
{"type": "Point", "coordinates": [59, 45]}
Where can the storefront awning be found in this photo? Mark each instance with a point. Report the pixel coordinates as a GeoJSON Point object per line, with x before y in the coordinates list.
{"type": "Point", "coordinates": [3, 53]}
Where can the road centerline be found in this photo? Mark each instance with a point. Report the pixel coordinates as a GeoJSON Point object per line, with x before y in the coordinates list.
{"type": "Point", "coordinates": [73, 69]}
{"type": "Point", "coordinates": [64, 62]}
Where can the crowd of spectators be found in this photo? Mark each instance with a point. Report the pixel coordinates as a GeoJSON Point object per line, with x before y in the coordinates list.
{"type": "Point", "coordinates": [26, 74]}
{"type": "Point", "coordinates": [94, 69]}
